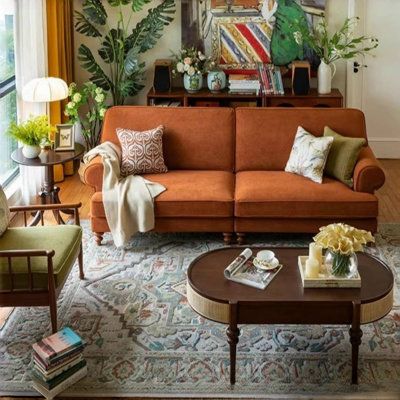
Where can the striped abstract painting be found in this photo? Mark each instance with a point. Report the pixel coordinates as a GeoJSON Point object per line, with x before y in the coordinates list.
{"type": "Point", "coordinates": [245, 42]}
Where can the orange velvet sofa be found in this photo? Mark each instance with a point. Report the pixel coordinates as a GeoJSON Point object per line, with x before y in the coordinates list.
{"type": "Point", "coordinates": [226, 171]}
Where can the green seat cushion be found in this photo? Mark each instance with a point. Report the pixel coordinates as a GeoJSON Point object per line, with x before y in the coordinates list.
{"type": "Point", "coordinates": [65, 240]}
{"type": "Point", "coordinates": [342, 156]}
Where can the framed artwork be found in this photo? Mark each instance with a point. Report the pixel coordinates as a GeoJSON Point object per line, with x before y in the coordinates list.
{"type": "Point", "coordinates": [240, 33]}
{"type": "Point", "coordinates": [65, 138]}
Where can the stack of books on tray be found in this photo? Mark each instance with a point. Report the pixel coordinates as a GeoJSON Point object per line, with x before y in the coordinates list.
{"type": "Point", "coordinates": [58, 362]}
{"type": "Point", "coordinates": [244, 84]}
{"type": "Point", "coordinates": [271, 79]}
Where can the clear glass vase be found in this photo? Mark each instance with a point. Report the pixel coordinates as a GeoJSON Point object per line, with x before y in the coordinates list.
{"type": "Point", "coordinates": [341, 265]}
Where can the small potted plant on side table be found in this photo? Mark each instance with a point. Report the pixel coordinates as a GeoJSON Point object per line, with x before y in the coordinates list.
{"type": "Point", "coordinates": [31, 133]}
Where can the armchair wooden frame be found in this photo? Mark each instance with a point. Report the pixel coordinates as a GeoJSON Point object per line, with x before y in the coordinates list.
{"type": "Point", "coordinates": [31, 296]}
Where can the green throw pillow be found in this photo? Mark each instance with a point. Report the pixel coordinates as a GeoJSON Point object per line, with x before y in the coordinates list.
{"type": "Point", "coordinates": [342, 156]}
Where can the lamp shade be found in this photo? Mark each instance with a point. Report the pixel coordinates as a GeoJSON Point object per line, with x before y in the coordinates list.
{"type": "Point", "coordinates": [42, 90]}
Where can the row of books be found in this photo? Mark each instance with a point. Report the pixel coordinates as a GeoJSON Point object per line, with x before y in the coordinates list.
{"type": "Point", "coordinates": [244, 84]}
{"type": "Point", "coordinates": [271, 79]}
{"type": "Point", "coordinates": [58, 362]}
{"type": "Point", "coordinates": [165, 103]}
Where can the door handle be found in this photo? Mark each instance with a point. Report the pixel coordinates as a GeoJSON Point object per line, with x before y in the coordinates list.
{"type": "Point", "coordinates": [357, 66]}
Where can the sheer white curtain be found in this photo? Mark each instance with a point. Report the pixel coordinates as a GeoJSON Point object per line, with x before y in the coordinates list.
{"type": "Point", "coordinates": [30, 63]}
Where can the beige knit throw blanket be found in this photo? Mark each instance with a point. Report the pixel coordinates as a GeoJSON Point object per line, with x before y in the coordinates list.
{"type": "Point", "coordinates": [128, 202]}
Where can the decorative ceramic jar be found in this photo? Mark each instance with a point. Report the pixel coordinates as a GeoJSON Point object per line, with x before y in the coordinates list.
{"type": "Point", "coordinates": [193, 83]}
{"type": "Point", "coordinates": [325, 75]}
{"type": "Point", "coordinates": [31, 151]}
{"type": "Point", "coordinates": [341, 265]}
{"type": "Point", "coordinates": [216, 81]}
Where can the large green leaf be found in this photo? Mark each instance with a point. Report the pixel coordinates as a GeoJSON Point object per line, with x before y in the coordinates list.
{"type": "Point", "coordinates": [116, 3]}
{"type": "Point", "coordinates": [131, 64]}
{"type": "Point", "coordinates": [113, 46]}
{"type": "Point", "coordinates": [149, 29]}
{"type": "Point", "coordinates": [88, 62]}
{"type": "Point", "coordinates": [132, 85]}
{"type": "Point", "coordinates": [84, 26]}
{"type": "Point", "coordinates": [137, 5]}
{"type": "Point", "coordinates": [95, 12]}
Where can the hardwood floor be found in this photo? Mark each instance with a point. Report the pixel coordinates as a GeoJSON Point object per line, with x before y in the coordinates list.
{"type": "Point", "coordinates": [73, 191]}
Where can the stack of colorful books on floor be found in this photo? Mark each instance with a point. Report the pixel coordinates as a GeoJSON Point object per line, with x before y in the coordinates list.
{"type": "Point", "coordinates": [58, 362]}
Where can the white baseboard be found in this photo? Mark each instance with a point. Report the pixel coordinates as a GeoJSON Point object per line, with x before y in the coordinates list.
{"type": "Point", "coordinates": [385, 147]}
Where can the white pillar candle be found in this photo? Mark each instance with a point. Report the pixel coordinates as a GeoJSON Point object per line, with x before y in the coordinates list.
{"type": "Point", "coordinates": [312, 268]}
{"type": "Point", "coordinates": [315, 251]}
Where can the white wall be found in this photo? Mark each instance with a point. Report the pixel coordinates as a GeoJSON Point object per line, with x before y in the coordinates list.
{"type": "Point", "coordinates": [336, 13]}
{"type": "Point", "coordinates": [170, 40]}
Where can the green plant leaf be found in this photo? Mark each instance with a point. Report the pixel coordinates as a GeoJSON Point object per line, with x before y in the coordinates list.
{"type": "Point", "coordinates": [149, 29]}
{"type": "Point", "coordinates": [131, 64]}
{"type": "Point", "coordinates": [116, 3]}
{"type": "Point", "coordinates": [137, 5]}
{"type": "Point", "coordinates": [94, 11]}
{"type": "Point", "coordinates": [88, 62]}
{"type": "Point", "coordinates": [84, 26]}
{"type": "Point", "coordinates": [132, 86]}
{"type": "Point", "coordinates": [110, 51]}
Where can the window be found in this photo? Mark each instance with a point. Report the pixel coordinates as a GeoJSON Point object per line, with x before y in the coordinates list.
{"type": "Point", "coordinates": [8, 94]}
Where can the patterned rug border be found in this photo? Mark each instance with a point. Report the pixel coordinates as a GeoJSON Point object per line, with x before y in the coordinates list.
{"type": "Point", "coordinates": [155, 256]}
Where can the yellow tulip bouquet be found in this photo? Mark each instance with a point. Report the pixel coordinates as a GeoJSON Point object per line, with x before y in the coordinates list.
{"type": "Point", "coordinates": [342, 241]}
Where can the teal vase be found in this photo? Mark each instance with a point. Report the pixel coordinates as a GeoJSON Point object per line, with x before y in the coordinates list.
{"type": "Point", "coordinates": [216, 81]}
{"type": "Point", "coordinates": [193, 83]}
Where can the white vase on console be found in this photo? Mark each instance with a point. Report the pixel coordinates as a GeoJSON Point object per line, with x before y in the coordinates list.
{"type": "Point", "coordinates": [325, 74]}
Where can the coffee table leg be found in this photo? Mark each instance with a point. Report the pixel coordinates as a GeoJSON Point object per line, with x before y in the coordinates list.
{"type": "Point", "coordinates": [355, 340]}
{"type": "Point", "coordinates": [233, 339]}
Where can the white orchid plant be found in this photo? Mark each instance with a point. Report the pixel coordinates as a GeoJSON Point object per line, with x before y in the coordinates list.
{"type": "Point", "coordinates": [342, 44]}
{"type": "Point", "coordinates": [87, 106]}
{"type": "Point", "coordinates": [190, 61]}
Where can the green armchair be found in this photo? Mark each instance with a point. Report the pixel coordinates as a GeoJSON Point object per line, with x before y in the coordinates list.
{"type": "Point", "coordinates": [35, 261]}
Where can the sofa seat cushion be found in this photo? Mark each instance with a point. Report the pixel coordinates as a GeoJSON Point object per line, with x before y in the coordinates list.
{"type": "Point", "coordinates": [65, 240]}
{"type": "Point", "coordinates": [188, 194]}
{"type": "Point", "coordinates": [286, 195]}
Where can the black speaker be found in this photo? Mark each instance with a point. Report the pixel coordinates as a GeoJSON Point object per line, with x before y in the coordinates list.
{"type": "Point", "coordinates": [301, 77]}
{"type": "Point", "coordinates": [162, 81]}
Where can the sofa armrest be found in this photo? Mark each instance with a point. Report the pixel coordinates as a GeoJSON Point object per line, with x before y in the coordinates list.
{"type": "Point", "coordinates": [368, 173]}
{"type": "Point", "coordinates": [92, 173]}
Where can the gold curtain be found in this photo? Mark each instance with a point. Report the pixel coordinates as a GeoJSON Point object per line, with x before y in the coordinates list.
{"type": "Point", "coordinates": [60, 45]}
{"type": "Point", "coordinates": [60, 53]}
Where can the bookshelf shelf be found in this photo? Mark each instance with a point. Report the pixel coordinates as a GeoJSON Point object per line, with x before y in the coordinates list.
{"type": "Point", "coordinates": [205, 98]}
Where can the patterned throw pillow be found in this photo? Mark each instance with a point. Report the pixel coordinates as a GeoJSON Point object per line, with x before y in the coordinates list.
{"type": "Point", "coordinates": [142, 152]}
{"type": "Point", "coordinates": [309, 154]}
{"type": "Point", "coordinates": [4, 212]}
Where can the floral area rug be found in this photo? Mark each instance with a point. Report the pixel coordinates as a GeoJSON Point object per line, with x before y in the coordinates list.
{"type": "Point", "coordinates": [143, 339]}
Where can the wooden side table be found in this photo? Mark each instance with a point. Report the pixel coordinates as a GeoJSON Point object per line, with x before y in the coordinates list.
{"type": "Point", "coordinates": [47, 159]}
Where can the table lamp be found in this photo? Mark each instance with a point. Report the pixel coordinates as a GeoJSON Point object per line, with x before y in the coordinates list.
{"type": "Point", "coordinates": [46, 90]}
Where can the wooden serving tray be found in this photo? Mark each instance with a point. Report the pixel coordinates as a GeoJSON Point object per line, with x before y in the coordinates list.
{"type": "Point", "coordinates": [325, 281]}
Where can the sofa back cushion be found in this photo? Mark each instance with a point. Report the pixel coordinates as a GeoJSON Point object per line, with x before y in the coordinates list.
{"type": "Point", "coordinates": [195, 138]}
{"type": "Point", "coordinates": [264, 136]}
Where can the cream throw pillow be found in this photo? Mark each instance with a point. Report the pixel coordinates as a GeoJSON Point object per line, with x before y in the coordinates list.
{"type": "Point", "coordinates": [309, 154]}
{"type": "Point", "coordinates": [4, 212]}
{"type": "Point", "coordinates": [142, 151]}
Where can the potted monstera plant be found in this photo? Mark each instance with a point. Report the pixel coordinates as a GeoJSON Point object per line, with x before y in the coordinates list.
{"type": "Point", "coordinates": [120, 47]}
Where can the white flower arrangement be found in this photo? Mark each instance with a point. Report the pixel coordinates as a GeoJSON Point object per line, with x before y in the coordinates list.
{"type": "Point", "coordinates": [190, 61]}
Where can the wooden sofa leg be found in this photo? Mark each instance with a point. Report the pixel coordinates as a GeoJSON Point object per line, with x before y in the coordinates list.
{"type": "Point", "coordinates": [241, 238]}
{"type": "Point", "coordinates": [227, 238]}
{"type": "Point", "coordinates": [80, 263]}
{"type": "Point", "coordinates": [98, 237]}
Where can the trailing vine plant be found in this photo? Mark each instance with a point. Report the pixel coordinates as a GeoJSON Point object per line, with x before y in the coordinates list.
{"type": "Point", "coordinates": [120, 47]}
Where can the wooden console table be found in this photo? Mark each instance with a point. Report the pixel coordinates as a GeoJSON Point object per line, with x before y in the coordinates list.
{"type": "Point", "coordinates": [205, 98]}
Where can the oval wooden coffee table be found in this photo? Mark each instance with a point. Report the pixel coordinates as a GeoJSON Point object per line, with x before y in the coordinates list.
{"type": "Point", "coordinates": [285, 301]}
